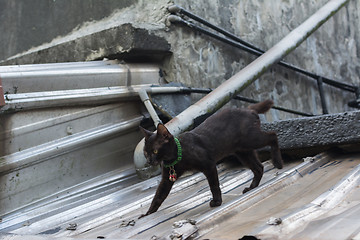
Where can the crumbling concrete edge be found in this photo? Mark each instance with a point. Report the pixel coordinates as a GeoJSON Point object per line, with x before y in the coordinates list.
{"type": "Point", "coordinates": [320, 131]}
{"type": "Point", "coordinates": [122, 42]}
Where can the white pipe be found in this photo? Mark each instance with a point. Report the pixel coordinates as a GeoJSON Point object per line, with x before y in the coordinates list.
{"type": "Point", "coordinates": [221, 95]}
{"type": "Point", "coordinates": [90, 96]}
{"type": "Point", "coordinates": [145, 99]}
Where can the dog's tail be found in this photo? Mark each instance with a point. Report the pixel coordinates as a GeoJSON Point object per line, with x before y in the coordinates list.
{"type": "Point", "coordinates": [262, 107]}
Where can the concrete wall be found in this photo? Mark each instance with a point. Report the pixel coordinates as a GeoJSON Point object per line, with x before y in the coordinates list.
{"type": "Point", "coordinates": [332, 51]}
{"type": "Point", "coordinates": [96, 30]}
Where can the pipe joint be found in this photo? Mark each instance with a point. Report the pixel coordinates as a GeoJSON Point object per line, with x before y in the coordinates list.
{"type": "Point", "coordinates": [174, 9]}
{"type": "Point", "coordinates": [174, 19]}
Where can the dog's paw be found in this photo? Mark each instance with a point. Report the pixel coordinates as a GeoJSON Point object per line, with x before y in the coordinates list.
{"type": "Point", "coordinates": [215, 203]}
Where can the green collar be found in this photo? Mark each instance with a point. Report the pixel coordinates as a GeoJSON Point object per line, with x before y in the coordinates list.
{"type": "Point", "coordinates": [179, 154]}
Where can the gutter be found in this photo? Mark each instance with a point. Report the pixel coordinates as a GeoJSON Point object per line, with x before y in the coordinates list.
{"type": "Point", "coordinates": [75, 97]}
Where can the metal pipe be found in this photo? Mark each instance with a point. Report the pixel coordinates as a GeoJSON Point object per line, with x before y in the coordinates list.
{"type": "Point", "coordinates": [177, 19]}
{"type": "Point", "coordinates": [249, 100]}
{"type": "Point", "coordinates": [227, 90]}
{"type": "Point", "coordinates": [145, 99]}
{"type": "Point", "coordinates": [241, 44]}
{"type": "Point", "coordinates": [257, 51]}
{"type": "Point", "coordinates": [92, 96]}
{"type": "Point", "coordinates": [250, 73]}
{"type": "Point", "coordinates": [322, 95]}
{"type": "Point", "coordinates": [177, 9]}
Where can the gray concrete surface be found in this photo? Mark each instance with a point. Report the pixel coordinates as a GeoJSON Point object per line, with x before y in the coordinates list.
{"type": "Point", "coordinates": [316, 134]}
{"type": "Point", "coordinates": [124, 42]}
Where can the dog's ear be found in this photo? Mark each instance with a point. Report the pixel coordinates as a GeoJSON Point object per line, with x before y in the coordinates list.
{"type": "Point", "coordinates": [147, 133]}
{"type": "Point", "coordinates": [163, 132]}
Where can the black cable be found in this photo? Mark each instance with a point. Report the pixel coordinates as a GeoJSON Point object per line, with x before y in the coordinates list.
{"type": "Point", "coordinates": [249, 100]}
{"type": "Point", "coordinates": [177, 9]}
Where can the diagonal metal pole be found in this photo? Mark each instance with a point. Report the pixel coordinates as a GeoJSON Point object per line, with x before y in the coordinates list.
{"type": "Point", "coordinates": [227, 90]}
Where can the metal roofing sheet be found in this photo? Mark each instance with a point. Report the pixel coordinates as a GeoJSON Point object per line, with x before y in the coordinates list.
{"type": "Point", "coordinates": [315, 198]}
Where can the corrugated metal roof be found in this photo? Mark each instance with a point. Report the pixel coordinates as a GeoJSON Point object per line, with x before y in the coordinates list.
{"type": "Point", "coordinates": [317, 198]}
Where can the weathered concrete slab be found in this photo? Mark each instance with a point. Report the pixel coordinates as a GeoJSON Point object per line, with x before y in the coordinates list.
{"type": "Point", "coordinates": [123, 42]}
{"type": "Point", "coordinates": [317, 132]}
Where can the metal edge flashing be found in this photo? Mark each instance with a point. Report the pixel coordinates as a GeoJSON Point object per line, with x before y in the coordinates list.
{"type": "Point", "coordinates": [27, 79]}
{"type": "Point", "coordinates": [54, 66]}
